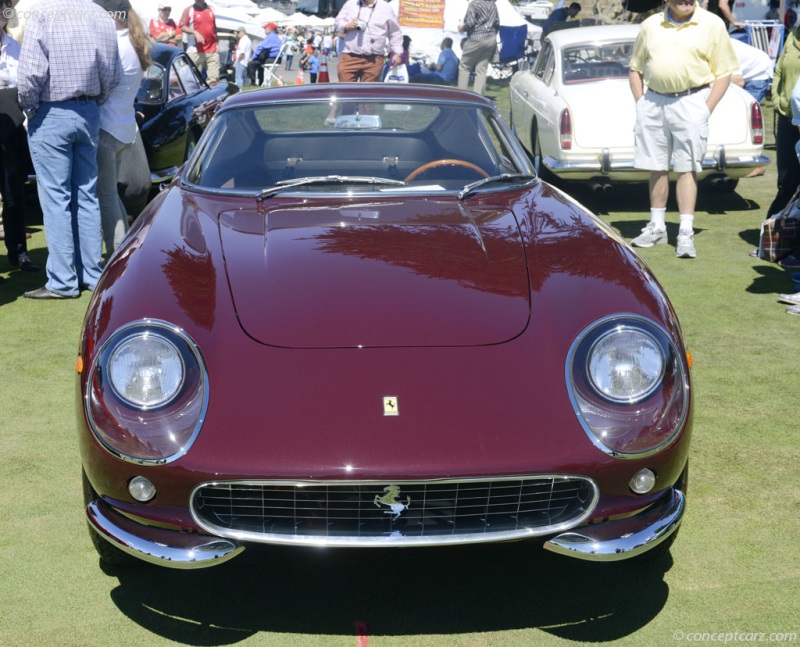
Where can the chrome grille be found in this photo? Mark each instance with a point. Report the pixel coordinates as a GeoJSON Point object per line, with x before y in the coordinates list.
{"type": "Point", "coordinates": [400, 512]}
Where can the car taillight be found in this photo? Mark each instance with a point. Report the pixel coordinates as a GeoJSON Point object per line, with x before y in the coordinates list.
{"type": "Point", "coordinates": [565, 130]}
{"type": "Point", "coordinates": [757, 124]}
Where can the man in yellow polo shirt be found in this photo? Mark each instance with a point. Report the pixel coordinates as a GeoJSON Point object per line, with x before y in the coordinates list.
{"type": "Point", "coordinates": [684, 57]}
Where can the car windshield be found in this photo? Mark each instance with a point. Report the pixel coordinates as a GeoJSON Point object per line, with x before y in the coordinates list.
{"type": "Point", "coordinates": [360, 147]}
{"type": "Point", "coordinates": [594, 61]}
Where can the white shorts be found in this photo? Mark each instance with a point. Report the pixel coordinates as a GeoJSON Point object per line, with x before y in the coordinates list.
{"type": "Point", "coordinates": [671, 130]}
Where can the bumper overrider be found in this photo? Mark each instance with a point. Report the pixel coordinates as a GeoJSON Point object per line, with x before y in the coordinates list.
{"type": "Point", "coordinates": [607, 541]}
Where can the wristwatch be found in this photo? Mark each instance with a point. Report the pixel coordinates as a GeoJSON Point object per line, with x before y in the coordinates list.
{"type": "Point", "coordinates": [30, 111]}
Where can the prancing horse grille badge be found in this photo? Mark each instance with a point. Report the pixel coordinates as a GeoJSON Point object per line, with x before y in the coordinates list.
{"type": "Point", "coordinates": [390, 407]}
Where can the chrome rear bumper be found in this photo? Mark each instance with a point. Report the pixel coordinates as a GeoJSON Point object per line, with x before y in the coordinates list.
{"type": "Point", "coordinates": [622, 167]}
{"type": "Point", "coordinates": [626, 538]}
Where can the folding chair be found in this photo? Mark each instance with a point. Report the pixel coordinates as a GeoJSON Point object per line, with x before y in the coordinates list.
{"type": "Point", "coordinates": [269, 68]}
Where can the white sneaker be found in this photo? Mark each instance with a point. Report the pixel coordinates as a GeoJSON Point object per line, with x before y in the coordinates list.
{"type": "Point", "coordinates": [685, 247]}
{"type": "Point", "coordinates": [650, 236]}
{"type": "Point", "coordinates": [793, 310]}
{"type": "Point", "coordinates": [792, 299]}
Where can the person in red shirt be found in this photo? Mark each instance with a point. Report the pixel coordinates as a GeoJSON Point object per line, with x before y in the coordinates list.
{"type": "Point", "coordinates": [200, 23]}
{"type": "Point", "coordinates": [163, 29]}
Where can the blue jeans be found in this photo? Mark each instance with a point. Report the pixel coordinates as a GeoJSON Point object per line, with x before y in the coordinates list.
{"type": "Point", "coordinates": [63, 140]}
{"type": "Point", "coordinates": [240, 75]}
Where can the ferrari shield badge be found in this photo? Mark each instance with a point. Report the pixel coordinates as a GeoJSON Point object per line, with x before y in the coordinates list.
{"type": "Point", "coordinates": [390, 407]}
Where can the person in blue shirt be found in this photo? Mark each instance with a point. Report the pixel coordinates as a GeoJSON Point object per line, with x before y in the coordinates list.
{"type": "Point", "coordinates": [444, 72]}
{"type": "Point", "coordinates": [560, 15]}
{"type": "Point", "coordinates": [267, 51]}
{"type": "Point", "coordinates": [313, 66]}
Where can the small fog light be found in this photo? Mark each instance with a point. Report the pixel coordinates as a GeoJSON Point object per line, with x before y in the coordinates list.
{"type": "Point", "coordinates": [643, 481]}
{"type": "Point", "coordinates": [141, 489]}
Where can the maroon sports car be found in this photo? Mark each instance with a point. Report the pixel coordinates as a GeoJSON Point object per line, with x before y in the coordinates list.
{"type": "Point", "coordinates": [357, 318]}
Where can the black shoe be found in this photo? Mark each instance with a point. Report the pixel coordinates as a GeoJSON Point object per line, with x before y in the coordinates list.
{"type": "Point", "coordinates": [24, 263]}
{"type": "Point", "coordinates": [44, 293]}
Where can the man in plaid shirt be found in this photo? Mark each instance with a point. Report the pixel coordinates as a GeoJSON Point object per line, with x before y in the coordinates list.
{"type": "Point", "coordinates": [69, 63]}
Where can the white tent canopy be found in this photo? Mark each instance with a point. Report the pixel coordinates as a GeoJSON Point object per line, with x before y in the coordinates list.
{"type": "Point", "coordinates": [228, 17]}
{"type": "Point", "coordinates": [268, 15]}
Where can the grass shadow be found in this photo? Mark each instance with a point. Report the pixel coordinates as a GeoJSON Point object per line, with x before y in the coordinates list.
{"type": "Point", "coordinates": [773, 279]}
{"type": "Point", "coordinates": [395, 593]}
{"type": "Point", "coordinates": [634, 198]}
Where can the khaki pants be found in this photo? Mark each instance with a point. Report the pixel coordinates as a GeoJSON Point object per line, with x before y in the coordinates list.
{"type": "Point", "coordinates": [208, 62]}
{"type": "Point", "coordinates": [476, 55]}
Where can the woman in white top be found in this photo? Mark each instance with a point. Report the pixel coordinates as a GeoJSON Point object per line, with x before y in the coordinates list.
{"type": "Point", "coordinates": [118, 118]}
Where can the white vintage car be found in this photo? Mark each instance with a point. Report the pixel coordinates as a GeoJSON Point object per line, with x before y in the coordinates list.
{"type": "Point", "coordinates": [574, 112]}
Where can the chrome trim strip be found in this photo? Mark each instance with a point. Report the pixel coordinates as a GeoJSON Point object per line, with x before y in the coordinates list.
{"type": "Point", "coordinates": [626, 538]}
{"type": "Point", "coordinates": [399, 541]}
{"type": "Point", "coordinates": [170, 548]}
{"type": "Point", "coordinates": [683, 379]}
{"type": "Point", "coordinates": [146, 324]}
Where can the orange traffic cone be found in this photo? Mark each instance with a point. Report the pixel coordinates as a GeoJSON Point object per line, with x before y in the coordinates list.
{"type": "Point", "coordinates": [280, 80]}
{"type": "Point", "coordinates": [299, 79]}
{"type": "Point", "coordinates": [323, 77]}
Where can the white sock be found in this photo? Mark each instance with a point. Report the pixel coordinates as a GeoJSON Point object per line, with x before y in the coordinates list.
{"type": "Point", "coordinates": [657, 217]}
{"type": "Point", "coordinates": [687, 220]}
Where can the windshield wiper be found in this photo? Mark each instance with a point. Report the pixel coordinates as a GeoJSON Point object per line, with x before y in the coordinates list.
{"type": "Point", "coordinates": [504, 177]}
{"type": "Point", "coordinates": [283, 185]}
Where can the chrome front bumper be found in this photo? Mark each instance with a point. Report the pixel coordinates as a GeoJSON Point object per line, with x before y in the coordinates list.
{"type": "Point", "coordinates": [625, 538]}
{"type": "Point", "coordinates": [604, 542]}
{"type": "Point", "coordinates": [170, 548]}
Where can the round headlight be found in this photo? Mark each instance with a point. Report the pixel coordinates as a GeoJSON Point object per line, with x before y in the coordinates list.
{"type": "Point", "coordinates": [625, 365]}
{"type": "Point", "coordinates": [146, 370]}
{"type": "Point", "coordinates": [147, 392]}
{"type": "Point", "coordinates": [628, 383]}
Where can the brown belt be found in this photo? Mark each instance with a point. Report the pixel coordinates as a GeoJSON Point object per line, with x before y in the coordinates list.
{"type": "Point", "coordinates": [682, 93]}
{"type": "Point", "coordinates": [363, 55]}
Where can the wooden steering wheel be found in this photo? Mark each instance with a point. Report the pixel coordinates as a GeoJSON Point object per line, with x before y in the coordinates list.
{"type": "Point", "coordinates": [445, 162]}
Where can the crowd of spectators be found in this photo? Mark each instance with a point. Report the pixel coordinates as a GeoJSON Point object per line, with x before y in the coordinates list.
{"type": "Point", "coordinates": [367, 39]}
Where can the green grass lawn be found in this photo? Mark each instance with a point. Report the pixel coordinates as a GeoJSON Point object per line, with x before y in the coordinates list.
{"type": "Point", "coordinates": [735, 566]}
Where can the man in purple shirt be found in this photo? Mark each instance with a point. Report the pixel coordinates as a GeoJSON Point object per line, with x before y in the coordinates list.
{"type": "Point", "coordinates": [370, 28]}
{"type": "Point", "coordinates": [69, 63]}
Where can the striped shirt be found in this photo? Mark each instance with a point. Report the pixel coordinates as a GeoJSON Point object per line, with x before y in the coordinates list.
{"type": "Point", "coordinates": [69, 50]}
{"type": "Point", "coordinates": [482, 21]}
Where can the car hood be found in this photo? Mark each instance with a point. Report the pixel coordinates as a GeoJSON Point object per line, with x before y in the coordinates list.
{"type": "Point", "coordinates": [387, 273]}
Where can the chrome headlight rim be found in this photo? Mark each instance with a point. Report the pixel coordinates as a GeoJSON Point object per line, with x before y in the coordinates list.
{"type": "Point", "coordinates": [678, 365]}
{"type": "Point", "coordinates": [176, 337]}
